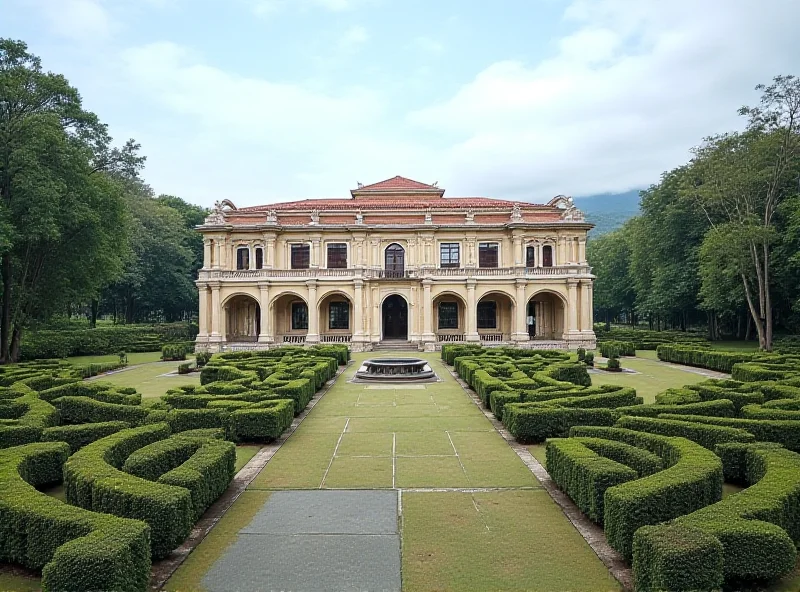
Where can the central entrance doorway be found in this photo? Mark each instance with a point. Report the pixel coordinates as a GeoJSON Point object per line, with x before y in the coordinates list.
{"type": "Point", "coordinates": [395, 318]}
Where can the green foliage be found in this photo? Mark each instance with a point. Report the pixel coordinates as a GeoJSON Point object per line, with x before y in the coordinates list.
{"type": "Point", "coordinates": [263, 421]}
{"type": "Point", "coordinates": [569, 372]}
{"type": "Point", "coordinates": [692, 480]}
{"type": "Point", "coordinates": [707, 436]}
{"type": "Point", "coordinates": [719, 408]}
{"type": "Point", "coordinates": [613, 365]}
{"type": "Point", "coordinates": [78, 436]}
{"type": "Point", "coordinates": [104, 340]}
{"type": "Point", "coordinates": [615, 349]}
{"type": "Point", "coordinates": [782, 431]}
{"type": "Point", "coordinates": [202, 358]}
{"type": "Point", "coordinates": [76, 410]}
{"type": "Point", "coordinates": [537, 423]}
{"type": "Point", "coordinates": [690, 355]}
{"type": "Point", "coordinates": [173, 352]}
{"type": "Point", "coordinates": [75, 549]}
{"type": "Point", "coordinates": [584, 475]}
{"type": "Point", "coordinates": [93, 480]}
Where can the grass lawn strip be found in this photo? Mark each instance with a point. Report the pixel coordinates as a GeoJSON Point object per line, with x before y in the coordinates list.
{"type": "Point", "coordinates": [153, 379]}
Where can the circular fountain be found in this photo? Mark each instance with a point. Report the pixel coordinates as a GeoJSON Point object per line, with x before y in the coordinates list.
{"type": "Point", "coordinates": [395, 370]}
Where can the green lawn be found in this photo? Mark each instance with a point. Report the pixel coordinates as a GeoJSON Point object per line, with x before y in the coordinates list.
{"type": "Point", "coordinates": [153, 379]}
{"type": "Point", "coordinates": [244, 452]}
{"type": "Point", "coordinates": [511, 540]}
{"type": "Point", "coordinates": [133, 358]}
{"type": "Point", "coordinates": [651, 377]}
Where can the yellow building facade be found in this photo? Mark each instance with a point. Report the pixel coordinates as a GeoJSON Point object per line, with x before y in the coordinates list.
{"type": "Point", "coordinates": [395, 265]}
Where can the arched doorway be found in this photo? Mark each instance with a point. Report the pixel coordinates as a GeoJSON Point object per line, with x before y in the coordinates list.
{"type": "Point", "coordinates": [546, 316]}
{"type": "Point", "coordinates": [243, 319]}
{"type": "Point", "coordinates": [395, 261]}
{"type": "Point", "coordinates": [449, 317]}
{"type": "Point", "coordinates": [495, 312]}
{"type": "Point", "coordinates": [336, 322]}
{"type": "Point", "coordinates": [290, 318]}
{"type": "Point", "coordinates": [395, 317]}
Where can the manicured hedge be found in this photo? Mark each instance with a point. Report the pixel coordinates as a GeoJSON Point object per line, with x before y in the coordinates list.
{"type": "Point", "coordinates": [537, 423]}
{"type": "Point", "coordinates": [75, 410]}
{"type": "Point", "coordinates": [263, 421]}
{"type": "Point", "coordinates": [93, 480]}
{"type": "Point", "coordinates": [692, 480]}
{"type": "Point", "coordinates": [782, 431]}
{"type": "Point", "coordinates": [613, 349]}
{"type": "Point", "coordinates": [103, 340]}
{"type": "Point", "coordinates": [76, 549]}
{"type": "Point", "coordinates": [720, 408]}
{"type": "Point", "coordinates": [78, 436]}
{"type": "Point", "coordinates": [151, 461]}
{"type": "Point", "coordinates": [642, 461]}
{"type": "Point", "coordinates": [708, 436]}
{"type": "Point", "coordinates": [757, 528]}
{"type": "Point", "coordinates": [584, 475]}
{"type": "Point", "coordinates": [690, 355]}
{"type": "Point", "coordinates": [206, 473]}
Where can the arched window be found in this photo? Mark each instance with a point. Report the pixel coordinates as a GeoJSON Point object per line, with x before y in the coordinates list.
{"type": "Point", "coordinates": [243, 258]}
{"type": "Point", "coordinates": [547, 256]}
{"type": "Point", "coordinates": [530, 256]}
{"type": "Point", "coordinates": [487, 314]}
{"type": "Point", "coordinates": [395, 260]}
{"type": "Point", "coordinates": [259, 258]}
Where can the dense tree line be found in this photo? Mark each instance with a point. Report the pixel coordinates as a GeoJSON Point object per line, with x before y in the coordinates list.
{"type": "Point", "coordinates": [718, 239]}
{"type": "Point", "coordinates": [79, 229]}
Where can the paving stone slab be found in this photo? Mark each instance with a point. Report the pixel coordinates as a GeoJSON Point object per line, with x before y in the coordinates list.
{"type": "Point", "coordinates": [327, 512]}
{"type": "Point", "coordinates": [308, 563]}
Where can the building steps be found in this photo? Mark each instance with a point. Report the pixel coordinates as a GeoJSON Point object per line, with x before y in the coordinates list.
{"type": "Point", "coordinates": [395, 345]}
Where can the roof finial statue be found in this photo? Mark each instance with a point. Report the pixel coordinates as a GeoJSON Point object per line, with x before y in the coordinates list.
{"type": "Point", "coordinates": [314, 216]}
{"type": "Point", "coordinates": [272, 217]}
{"type": "Point", "coordinates": [470, 216]}
{"type": "Point", "coordinates": [516, 213]}
{"type": "Point", "coordinates": [428, 216]}
{"type": "Point", "coordinates": [360, 184]}
{"type": "Point", "coordinates": [359, 217]}
{"type": "Point", "coordinates": [571, 212]}
{"type": "Point", "coordinates": [216, 216]}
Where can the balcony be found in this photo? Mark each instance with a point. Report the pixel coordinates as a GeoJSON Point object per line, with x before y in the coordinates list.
{"type": "Point", "coordinates": [386, 274]}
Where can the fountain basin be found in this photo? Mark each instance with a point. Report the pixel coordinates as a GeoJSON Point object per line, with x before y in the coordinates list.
{"type": "Point", "coordinates": [395, 370]}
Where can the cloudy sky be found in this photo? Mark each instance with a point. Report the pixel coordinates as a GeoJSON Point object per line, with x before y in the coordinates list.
{"type": "Point", "coordinates": [266, 100]}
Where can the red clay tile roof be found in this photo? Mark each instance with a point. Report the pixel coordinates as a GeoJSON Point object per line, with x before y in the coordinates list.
{"type": "Point", "coordinates": [394, 204]}
{"type": "Point", "coordinates": [397, 182]}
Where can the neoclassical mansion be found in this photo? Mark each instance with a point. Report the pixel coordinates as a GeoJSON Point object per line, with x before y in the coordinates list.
{"type": "Point", "coordinates": [396, 264]}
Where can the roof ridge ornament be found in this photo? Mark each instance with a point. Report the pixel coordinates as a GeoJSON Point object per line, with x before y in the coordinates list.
{"type": "Point", "coordinates": [220, 210]}
{"type": "Point", "coordinates": [516, 213]}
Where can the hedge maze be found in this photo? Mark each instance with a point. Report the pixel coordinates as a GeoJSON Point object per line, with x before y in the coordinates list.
{"type": "Point", "coordinates": [652, 475]}
{"type": "Point", "coordinates": [137, 474]}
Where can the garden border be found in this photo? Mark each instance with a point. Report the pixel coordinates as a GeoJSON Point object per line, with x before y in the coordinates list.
{"type": "Point", "coordinates": [163, 570]}
{"type": "Point", "coordinates": [591, 532]}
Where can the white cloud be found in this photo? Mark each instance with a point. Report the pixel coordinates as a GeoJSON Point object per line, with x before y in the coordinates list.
{"type": "Point", "coordinates": [353, 37]}
{"type": "Point", "coordinates": [427, 45]}
{"type": "Point", "coordinates": [627, 93]}
{"type": "Point", "coordinates": [270, 7]}
{"type": "Point", "coordinates": [81, 20]}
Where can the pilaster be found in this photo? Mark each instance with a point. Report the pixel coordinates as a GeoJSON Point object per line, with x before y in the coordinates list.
{"type": "Point", "coordinates": [472, 313]}
{"type": "Point", "coordinates": [265, 335]}
{"type": "Point", "coordinates": [312, 336]}
{"type": "Point", "coordinates": [520, 331]}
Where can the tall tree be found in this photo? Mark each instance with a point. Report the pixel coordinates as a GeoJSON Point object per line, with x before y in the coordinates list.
{"type": "Point", "coordinates": [60, 211]}
{"type": "Point", "coordinates": [743, 180]}
{"type": "Point", "coordinates": [609, 256]}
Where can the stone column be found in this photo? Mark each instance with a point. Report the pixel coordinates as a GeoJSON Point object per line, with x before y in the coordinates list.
{"type": "Point", "coordinates": [269, 253]}
{"type": "Point", "coordinates": [427, 314]}
{"type": "Point", "coordinates": [520, 330]}
{"type": "Point", "coordinates": [472, 312]}
{"type": "Point", "coordinates": [265, 335]}
{"type": "Point", "coordinates": [587, 316]}
{"type": "Point", "coordinates": [538, 254]}
{"type": "Point", "coordinates": [216, 312]}
{"type": "Point", "coordinates": [313, 313]}
{"type": "Point", "coordinates": [206, 253]}
{"type": "Point", "coordinates": [572, 306]}
{"type": "Point", "coordinates": [217, 253]}
{"type": "Point", "coordinates": [358, 311]}
{"type": "Point", "coordinates": [202, 316]}
{"type": "Point", "coordinates": [315, 252]}
{"type": "Point", "coordinates": [251, 254]}
{"type": "Point", "coordinates": [376, 314]}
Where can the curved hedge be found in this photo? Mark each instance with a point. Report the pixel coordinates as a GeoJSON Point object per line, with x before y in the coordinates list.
{"type": "Point", "coordinates": [692, 355]}
{"type": "Point", "coordinates": [78, 436]}
{"type": "Point", "coordinates": [708, 436]}
{"type": "Point", "coordinates": [76, 410]}
{"type": "Point", "coordinates": [76, 549]}
{"type": "Point", "coordinates": [93, 480]}
{"type": "Point", "coordinates": [757, 529]}
{"type": "Point", "coordinates": [584, 475]}
{"type": "Point", "coordinates": [782, 431]}
{"type": "Point", "coordinates": [692, 480]}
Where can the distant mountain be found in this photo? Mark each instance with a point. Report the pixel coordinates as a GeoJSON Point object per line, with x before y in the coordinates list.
{"type": "Point", "coordinates": [609, 211]}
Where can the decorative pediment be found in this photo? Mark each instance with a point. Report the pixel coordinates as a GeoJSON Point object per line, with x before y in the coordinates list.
{"type": "Point", "coordinates": [567, 205]}
{"type": "Point", "coordinates": [221, 209]}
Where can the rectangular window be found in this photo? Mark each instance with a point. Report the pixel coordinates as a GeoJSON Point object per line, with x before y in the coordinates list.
{"type": "Point", "coordinates": [337, 256]}
{"type": "Point", "coordinates": [487, 315]}
{"type": "Point", "coordinates": [259, 258]}
{"type": "Point", "coordinates": [448, 315]}
{"type": "Point", "coordinates": [547, 256]}
{"type": "Point", "coordinates": [449, 254]}
{"type": "Point", "coordinates": [301, 256]}
{"type": "Point", "coordinates": [243, 258]}
{"type": "Point", "coordinates": [530, 257]}
{"type": "Point", "coordinates": [339, 315]}
{"type": "Point", "coordinates": [487, 254]}
{"type": "Point", "coordinates": [299, 316]}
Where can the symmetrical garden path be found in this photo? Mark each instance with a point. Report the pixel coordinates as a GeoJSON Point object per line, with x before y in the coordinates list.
{"type": "Point", "coordinates": [389, 486]}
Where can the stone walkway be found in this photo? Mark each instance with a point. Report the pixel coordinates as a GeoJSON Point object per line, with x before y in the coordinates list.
{"type": "Point", "coordinates": [315, 540]}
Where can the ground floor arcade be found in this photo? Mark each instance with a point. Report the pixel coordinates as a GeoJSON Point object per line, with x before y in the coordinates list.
{"type": "Point", "coordinates": [424, 313]}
